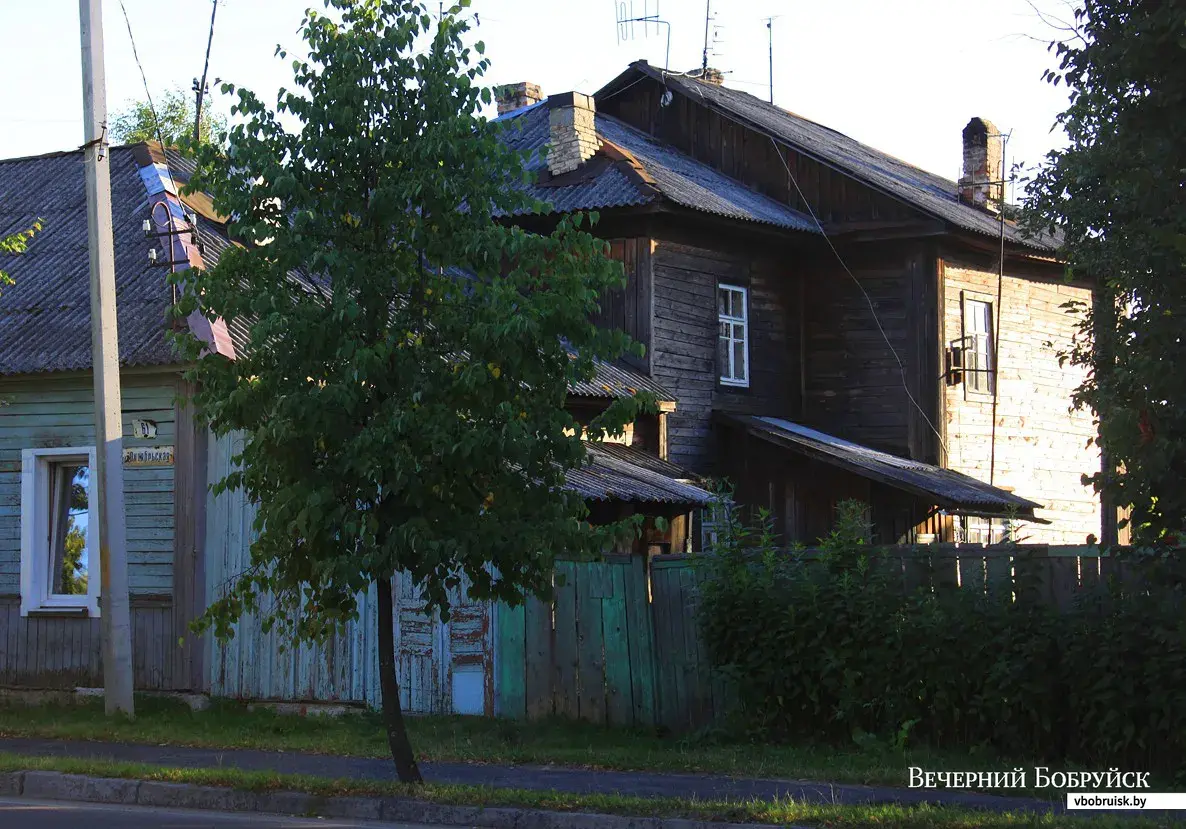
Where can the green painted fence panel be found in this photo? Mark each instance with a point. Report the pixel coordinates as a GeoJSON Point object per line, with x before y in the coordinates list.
{"type": "Point", "coordinates": [616, 630]}
{"type": "Point", "coordinates": [540, 659]}
{"type": "Point", "coordinates": [641, 642]}
{"type": "Point", "coordinates": [511, 698]}
{"type": "Point", "coordinates": [565, 686]}
{"type": "Point", "coordinates": [590, 643]}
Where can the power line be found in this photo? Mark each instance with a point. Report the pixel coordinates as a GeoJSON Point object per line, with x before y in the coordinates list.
{"type": "Point", "coordinates": [156, 121]}
{"type": "Point", "coordinates": [868, 299]}
{"type": "Point", "coordinates": [201, 87]}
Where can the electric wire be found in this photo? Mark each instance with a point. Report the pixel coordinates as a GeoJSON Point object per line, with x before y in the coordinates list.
{"type": "Point", "coordinates": [205, 69]}
{"type": "Point", "coordinates": [864, 293]}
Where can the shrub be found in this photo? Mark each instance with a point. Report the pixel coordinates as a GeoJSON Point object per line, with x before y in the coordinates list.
{"type": "Point", "coordinates": [828, 645]}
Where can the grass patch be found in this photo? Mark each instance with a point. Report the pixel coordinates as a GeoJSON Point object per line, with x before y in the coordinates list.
{"type": "Point", "coordinates": [229, 724]}
{"type": "Point", "coordinates": [776, 812]}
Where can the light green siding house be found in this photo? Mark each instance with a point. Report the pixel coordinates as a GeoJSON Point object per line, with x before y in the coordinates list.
{"type": "Point", "coordinates": [184, 544]}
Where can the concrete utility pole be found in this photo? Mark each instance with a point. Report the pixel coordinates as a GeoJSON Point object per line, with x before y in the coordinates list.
{"type": "Point", "coordinates": [113, 559]}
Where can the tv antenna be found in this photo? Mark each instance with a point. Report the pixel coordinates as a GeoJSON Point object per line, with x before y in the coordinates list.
{"type": "Point", "coordinates": [770, 49]}
{"type": "Point", "coordinates": [630, 14]}
{"type": "Point", "coordinates": [707, 20]}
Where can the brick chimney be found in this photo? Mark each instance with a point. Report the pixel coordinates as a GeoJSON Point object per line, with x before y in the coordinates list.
{"type": "Point", "coordinates": [980, 184]}
{"type": "Point", "coordinates": [573, 132]}
{"type": "Point", "coordinates": [512, 96]}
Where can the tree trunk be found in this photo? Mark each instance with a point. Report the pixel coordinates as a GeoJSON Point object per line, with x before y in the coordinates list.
{"type": "Point", "coordinates": [393, 716]}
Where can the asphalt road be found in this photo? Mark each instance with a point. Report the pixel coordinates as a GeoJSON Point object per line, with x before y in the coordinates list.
{"type": "Point", "coordinates": [48, 814]}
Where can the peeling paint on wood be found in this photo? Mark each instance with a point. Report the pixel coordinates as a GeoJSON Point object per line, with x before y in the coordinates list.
{"type": "Point", "coordinates": [435, 661]}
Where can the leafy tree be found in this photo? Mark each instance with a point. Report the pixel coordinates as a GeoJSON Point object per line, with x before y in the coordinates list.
{"type": "Point", "coordinates": [1116, 196]}
{"type": "Point", "coordinates": [15, 244]}
{"type": "Point", "coordinates": [402, 396]}
{"type": "Point", "coordinates": [174, 118]}
{"type": "Point", "coordinates": [74, 572]}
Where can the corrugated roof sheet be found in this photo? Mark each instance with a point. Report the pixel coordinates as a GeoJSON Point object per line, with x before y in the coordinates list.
{"type": "Point", "coordinates": [616, 380]}
{"type": "Point", "coordinates": [932, 193]}
{"type": "Point", "coordinates": [621, 473]}
{"type": "Point", "coordinates": [946, 487]}
{"type": "Point", "coordinates": [677, 177]}
{"type": "Point", "coordinates": [45, 318]}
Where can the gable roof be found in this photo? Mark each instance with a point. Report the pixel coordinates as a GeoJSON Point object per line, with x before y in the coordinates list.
{"type": "Point", "coordinates": [933, 194]}
{"type": "Point", "coordinates": [45, 318]}
{"type": "Point", "coordinates": [633, 169]}
{"type": "Point", "coordinates": [943, 487]}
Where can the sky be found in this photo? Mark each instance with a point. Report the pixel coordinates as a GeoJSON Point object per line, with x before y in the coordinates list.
{"type": "Point", "coordinates": [902, 76]}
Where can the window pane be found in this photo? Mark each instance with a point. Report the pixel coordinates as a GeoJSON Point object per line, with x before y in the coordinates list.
{"type": "Point", "coordinates": [723, 354]}
{"type": "Point", "coordinates": [722, 302]}
{"type": "Point", "coordinates": [739, 360]}
{"type": "Point", "coordinates": [69, 553]}
{"type": "Point", "coordinates": [978, 315]}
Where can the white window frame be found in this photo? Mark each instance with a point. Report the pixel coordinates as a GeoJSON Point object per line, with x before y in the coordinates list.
{"type": "Point", "coordinates": [743, 320]}
{"type": "Point", "coordinates": [989, 377]}
{"type": "Point", "coordinates": [35, 577]}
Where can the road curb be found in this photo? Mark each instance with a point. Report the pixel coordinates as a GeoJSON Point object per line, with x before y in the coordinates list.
{"type": "Point", "coordinates": [52, 785]}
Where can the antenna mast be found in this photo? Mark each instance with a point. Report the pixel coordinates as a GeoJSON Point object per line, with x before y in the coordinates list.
{"type": "Point", "coordinates": [707, 19]}
{"type": "Point", "coordinates": [770, 46]}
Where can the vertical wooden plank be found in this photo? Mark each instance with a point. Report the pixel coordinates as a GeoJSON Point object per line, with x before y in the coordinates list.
{"type": "Point", "coordinates": [1089, 573]}
{"type": "Point", "coordinates": [1064, 581]}
{"type": "Point", "coordinates": [971, 570]}
{"type": "Point", "coordinates": [671, 653]}
{"type": "Point", "coordinates": [916, 573]}
{"type": "Point", "coordinates": [699, 675]}
{"type": "Point", "coordinates": [511, 695]}
{"type": "Point", "coordinates": [1131, 577]}
{"type": "Point", "coordinates": [566, 640]}
{"type": "Point", "coordinates": [998, 572]}
{"type": "Point", "coordinates": [640, 629]}
{"type": "Point", "coordinates": [665, 612]}
{"type": "Point", "coordinates": [7, 623]}
{"type": "Point", "coordinates": [944, 570]}
{"type": "Point", "coordinates": [616, 630]}
{"type": "Point", "coordinates": [1031, 576]}
{"type": "Point", "coordinates": [591, 643]}
{"type": "Point", "coordinates": [540, 667]}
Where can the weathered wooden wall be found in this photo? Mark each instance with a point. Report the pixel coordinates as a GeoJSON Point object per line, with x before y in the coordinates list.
{"type": "Point", "coordinates": [685, 343]}
{"type": "Point", "coordinates": [854, 386]}
{"type": "Point", "coordinates": [1041, 445]}
{"type": "Point", "coordinates": [441, 667]}
{"type": "Point", "coordinates": [629, 309]}
{"type": "Point", "coordinates": [63, 651]}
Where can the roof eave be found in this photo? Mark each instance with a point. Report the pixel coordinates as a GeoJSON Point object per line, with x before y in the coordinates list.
{"type": "Point", "coordinates": [1025, 506]}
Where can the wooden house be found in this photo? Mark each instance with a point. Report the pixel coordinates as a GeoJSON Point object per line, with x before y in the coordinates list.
{"type": "Point", "coordinates": [821, 321]}
{"type": "Point", "coordinates": [834, 323]}
{"type": "Point", "coordinates": [183, 542]}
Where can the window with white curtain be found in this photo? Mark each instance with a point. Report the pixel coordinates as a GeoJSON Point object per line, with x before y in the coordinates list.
{"type": "Point", "coordinates": [733, 339]}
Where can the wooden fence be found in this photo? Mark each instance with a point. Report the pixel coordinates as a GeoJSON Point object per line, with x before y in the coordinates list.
{"type": "Point", "coordinates": [620, 642]}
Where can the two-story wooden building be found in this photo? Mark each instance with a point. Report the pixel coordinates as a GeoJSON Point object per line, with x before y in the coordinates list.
{"type": "Point", "coordinates": [833, 321]}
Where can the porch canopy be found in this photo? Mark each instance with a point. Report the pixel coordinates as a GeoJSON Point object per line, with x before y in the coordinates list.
{"type": "Point", "coordinates": [622, 473]}
{"type": "Point", "coordinates": [945, 488]}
